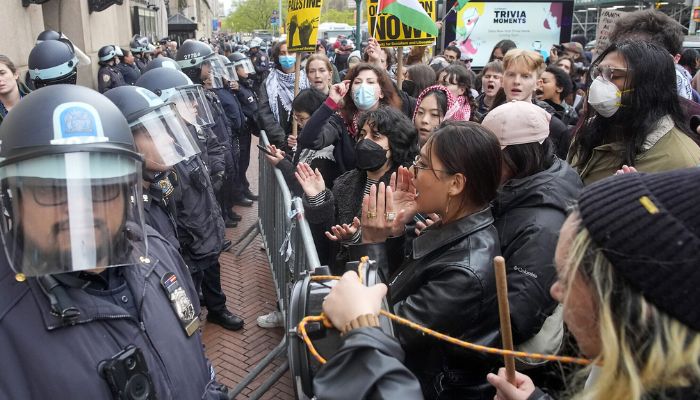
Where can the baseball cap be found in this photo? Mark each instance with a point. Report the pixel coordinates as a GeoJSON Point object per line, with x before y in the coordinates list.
{"type": "Point", "coordinates": [518, 122]}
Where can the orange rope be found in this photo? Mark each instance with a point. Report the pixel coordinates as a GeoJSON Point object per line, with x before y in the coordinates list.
{"type": "Point", "coordinates": [441, 336]}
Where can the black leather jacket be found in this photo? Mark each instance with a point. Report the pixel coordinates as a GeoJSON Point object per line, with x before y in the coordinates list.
{"type": "Point", "coordinates": [446, 283]}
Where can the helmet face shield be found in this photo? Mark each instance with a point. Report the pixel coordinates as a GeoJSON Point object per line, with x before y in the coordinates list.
{"type": "Point", "coordinates": [231, 72]}
{"type": "Point", "coordinates": [163, 139]}
{"type": "Point", "coordinates": [72, 212]}
{"type": "Point", "coordinates": [246, 64]}
{"type": "Point", "coordinates": [217, 71]}
{"type": "Point", "coordinates": [192, 105]}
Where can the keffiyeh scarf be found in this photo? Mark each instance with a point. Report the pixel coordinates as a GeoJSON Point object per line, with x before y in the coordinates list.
{"type": "Point", "coordinates": [281, 86]}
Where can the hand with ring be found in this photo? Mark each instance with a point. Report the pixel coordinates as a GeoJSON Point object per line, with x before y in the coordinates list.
{"type": "Point", "coordinates": [378, 215]}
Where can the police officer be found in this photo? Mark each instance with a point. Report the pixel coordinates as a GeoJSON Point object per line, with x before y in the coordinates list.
{"type": "Point", "coordinates": [248, 100]}
{"type": "Point", "coordinates": [161, 136]}
{"type": "Point", "coordinates": [203, 66]}
{"type": "Point", "coordinates": [127, 66]}
{"type": "Point", "coordinates": [199, 221]}
{"type": "Point", "coordinates": [93, 302]}
{"type": "Point", "coordinates": [52, 62]}
{"type": "Point", "coordinates": [108, 76]}
{"type": "Point", "coordinates": [138, 47]}
{"type": "Point", "coordinates": [260, 60]}
{"type": "Point", "coordinates": [165, 48]}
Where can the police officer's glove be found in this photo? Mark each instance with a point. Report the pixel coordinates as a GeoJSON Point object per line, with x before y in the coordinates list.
{"type": "Point", "coordinates": [217, 181]}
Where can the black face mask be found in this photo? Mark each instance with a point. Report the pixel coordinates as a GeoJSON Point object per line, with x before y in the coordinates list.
{"type": "Point", "coordinates": [409, 87]}
{"type": "Point", "coordinates": [370, 155]}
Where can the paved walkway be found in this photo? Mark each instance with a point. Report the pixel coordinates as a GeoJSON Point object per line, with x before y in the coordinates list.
{"type": "Point", "coordinates": [247, 282]}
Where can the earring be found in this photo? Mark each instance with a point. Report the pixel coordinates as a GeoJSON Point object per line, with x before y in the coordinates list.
{"type": "Point", "coordinates": [447, 208]}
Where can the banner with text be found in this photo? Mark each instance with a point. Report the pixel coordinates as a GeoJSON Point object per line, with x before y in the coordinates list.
{"type": "Point", "coordinates": [302, 24]}
{"type": "Point", "coordinates": [532, 26]}
{"type": "Point", "coordinates": [391, 32]}
{"type": "Point", "coordinates": [606, 22]}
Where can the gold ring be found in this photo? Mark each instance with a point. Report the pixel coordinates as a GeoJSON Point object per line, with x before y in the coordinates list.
{"type": "Point", "coordinates": [371, 214]}
{"type": "Point", "coordinates": [390, 216]}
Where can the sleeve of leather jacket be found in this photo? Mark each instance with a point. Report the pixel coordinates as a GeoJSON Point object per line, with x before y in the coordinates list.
{"type": "Point", "coordinates": [267, 121]}
{"type": "Point", "coordinates": [531, 272]}
{"type": "Point", "coordinates": [389, 255]}
{"type": "Point", "coordinates": [367, 366]}
{"type": "Point", "coordinates": [538, 394]}
{"type": "Point", "coordinates": [319, 132]}
{"type": "Point", "coordinates": [215, 151]}
{"type": "Point", "coordinates": [457, 290]}
{"type": "Point", "coordinates": [560, 136]}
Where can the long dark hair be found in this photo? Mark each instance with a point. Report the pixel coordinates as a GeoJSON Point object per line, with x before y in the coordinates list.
{"type": "Point", "coordinates": [391, 97]}
{"type": "Point", "coordinates": [651, 78]}
{"type": "Point", "coordinates": [504, 45]}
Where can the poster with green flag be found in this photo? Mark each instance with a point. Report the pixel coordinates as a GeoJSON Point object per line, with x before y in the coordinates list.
{"type": "Point", "coordinates": [302, 24]}
{"type": "Point", "coordinates": [402, 23]}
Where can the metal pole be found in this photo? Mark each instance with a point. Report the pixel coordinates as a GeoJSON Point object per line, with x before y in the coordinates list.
{"type": "Point", "coordinates": [358, 25]}
{"type": "Point", "coordinates": [281, 24]}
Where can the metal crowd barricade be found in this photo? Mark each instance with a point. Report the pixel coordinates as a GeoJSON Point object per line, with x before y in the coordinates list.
{"type": "Point", "coordinates": [290, 250]}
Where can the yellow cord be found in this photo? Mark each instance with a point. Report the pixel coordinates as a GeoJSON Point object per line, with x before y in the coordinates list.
{"type": "Point", "coordinates": [440, 336]}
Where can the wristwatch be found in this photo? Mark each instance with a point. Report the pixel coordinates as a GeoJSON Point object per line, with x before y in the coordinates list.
{"type": "Point", "coordinates": [366, 320]}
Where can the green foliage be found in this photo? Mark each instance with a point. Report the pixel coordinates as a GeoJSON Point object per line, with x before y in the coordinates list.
{"type": "Point", "coordinates": [251, 15]}
{"type": "Point", "coordinates": [341, 16]}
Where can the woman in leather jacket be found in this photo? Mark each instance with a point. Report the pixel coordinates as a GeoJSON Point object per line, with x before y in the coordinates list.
{"type": "Point", "coordinates": [446, 281]}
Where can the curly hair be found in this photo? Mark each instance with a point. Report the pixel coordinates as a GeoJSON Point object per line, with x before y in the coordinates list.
{"type": "Point", "coordinates": [402, 135]}
{"type": "Point", "coordinates": [650, 25]}
{"type": "Point", "coordinates": [563, 80]}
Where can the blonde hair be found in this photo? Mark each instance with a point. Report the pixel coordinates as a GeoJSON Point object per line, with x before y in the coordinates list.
{"type": "Point", "coordinates": [532, 60]}
{"type": "Point", "coordinates": [643, 350]}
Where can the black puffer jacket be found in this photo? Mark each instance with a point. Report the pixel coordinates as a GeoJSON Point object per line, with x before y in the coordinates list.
{"type": "Point", "coordinates": [447, 284]}
{"type": "Point", "coordinates": [528, 214]}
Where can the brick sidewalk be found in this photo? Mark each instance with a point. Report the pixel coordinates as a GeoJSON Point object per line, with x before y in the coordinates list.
{"type": "Point", "coordinates": [247, 282]}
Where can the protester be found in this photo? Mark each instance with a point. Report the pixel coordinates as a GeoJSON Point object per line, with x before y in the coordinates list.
{"type": "Point", "coordinates": [555, 87]}
{"type": "Point", "coordinates": [501, 48]}
{"type": "Point", "coordinates": [634, 117]}
{"type": "Point", "coordinates": [452, 54]}
{"type": "Point", "coordinates": [366, 88]}
{"type": "Point", "coordinates": [523, 69]}
{"type": "Point", "coordinates": [458, 80]}
{"type": "Point", "coordinates": [491, 81]}
{"type": "Point", "coordinates": [630, 317]}
{"type": "Point", "coordinates": [354, 59]}
{"type": "Point", "coordinates": [383, 57]}
{"type": "Point", "coordinates": [11, 88]}
{"type": "Point", "coordinates": [386, 141]}
{"type": "Point", "coordinates": [447, 282]}
{"type": "Point", "coordinates": [276, 95]}
{"type": "Point", "coordinates": [537, 189]}
{"type": "Point", "coordinates": [418, 77]}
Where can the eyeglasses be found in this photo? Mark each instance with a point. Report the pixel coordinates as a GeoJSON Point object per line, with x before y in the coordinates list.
{"type": "Point", "coordinates": [607, 72]}
{"type": "Point", "coordinates": [57, 195]}
{"type": "Point", "coordinates": [418, 164]}
{"type": "Point", "coordinates": [301, 120]}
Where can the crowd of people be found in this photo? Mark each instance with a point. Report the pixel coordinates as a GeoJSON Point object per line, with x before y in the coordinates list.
{"type": "Point", "coordinates": [579, 169]}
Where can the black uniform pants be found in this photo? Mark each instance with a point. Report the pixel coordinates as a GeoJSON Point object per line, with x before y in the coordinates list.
{"type": "Point", "coordinates": [208, 278]}
{"type": "Point", "coordinates": [244, 160]}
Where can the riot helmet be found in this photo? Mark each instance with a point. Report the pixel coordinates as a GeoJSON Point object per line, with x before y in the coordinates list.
{"type": "Point", "coordinates": [47, 35]}
{"type": "Point", "coordinates": [162, 62]}
{"type": "Point", "coordinates": [118, 51]}
{"type": "Point", "coordinates": [193, 56]}
{"type": "Point", "coordinates": [69, 189]}
{"type": "Point", "coordinates": [174, 86]}
{"type": "Point", "coordinates": [255, 43]}
{"type": "Point", "coordinates": [161, 136]}
{"type": "Point", "coordinates": [52, 62]}
{"type": "Point", "coordinates": [138, 44]}
{"type": "Point", "coordinates": [242, 61]}
{"type": "Point", "coordinates": [106, 53]}
{"type": "Point", "coordinates": [229, 69]}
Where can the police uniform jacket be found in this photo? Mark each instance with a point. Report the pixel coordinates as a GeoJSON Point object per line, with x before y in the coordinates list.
{"type": "Point", "coordinates": [109, 77]}
{"type": "Point", "coordinates": [140, 63]}
{"type": "Point", "coordinates": [158, 213]}
{"type": "Point", "coordinates": [199, 222]}
{"type": "Point", "coordinates": [249, 105]}
{"type": "Point", "coordinates": [42, 358]}
{"type": "Point", "coordinates": [130, 72]}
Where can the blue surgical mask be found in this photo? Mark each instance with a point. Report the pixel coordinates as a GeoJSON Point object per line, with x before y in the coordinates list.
{"type": "Point", "coordinates": [287, 62]}
{"type": "Point", "coordinates": [365, 97]}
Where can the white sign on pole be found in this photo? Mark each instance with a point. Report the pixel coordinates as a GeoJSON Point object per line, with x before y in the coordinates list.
{"type": "Point", "coordinates": [606, 23]}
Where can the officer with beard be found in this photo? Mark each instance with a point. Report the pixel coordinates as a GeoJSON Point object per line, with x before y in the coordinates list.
{"type": "Point", "coordinates": [94, 303]}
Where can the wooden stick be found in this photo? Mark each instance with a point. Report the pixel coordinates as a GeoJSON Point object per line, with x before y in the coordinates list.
{"type": "Point", "coordinates": [504, 314]}
{"type": "Point", "coordinates": [297, 67]}
{"type": "Point", "coordinates": [399, 70]}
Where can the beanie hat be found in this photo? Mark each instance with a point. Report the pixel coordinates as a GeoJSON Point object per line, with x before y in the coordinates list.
{"type": "Point", "coordinates": [518, 122]}
{"type": "Point", "coordinates": [648, 227]}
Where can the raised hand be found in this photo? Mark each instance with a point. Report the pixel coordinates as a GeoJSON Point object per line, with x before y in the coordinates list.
{"type": "Point", "coordinates": [404, 193]}
{"type": "Point", "coordinates": [292, 141]}
{"type": "Point", "coordinates": [343, 232]}
{"type": "Point", "coordinates": [311, 181]}
{"type": "Point", "coordinates": [338, 91]}
{"type": "Point", "coordinates": [522, 389]}
{"type": "Point", "coordinates": [421, 226]}
{"type": "Point", "coordinates": [379, 217]}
